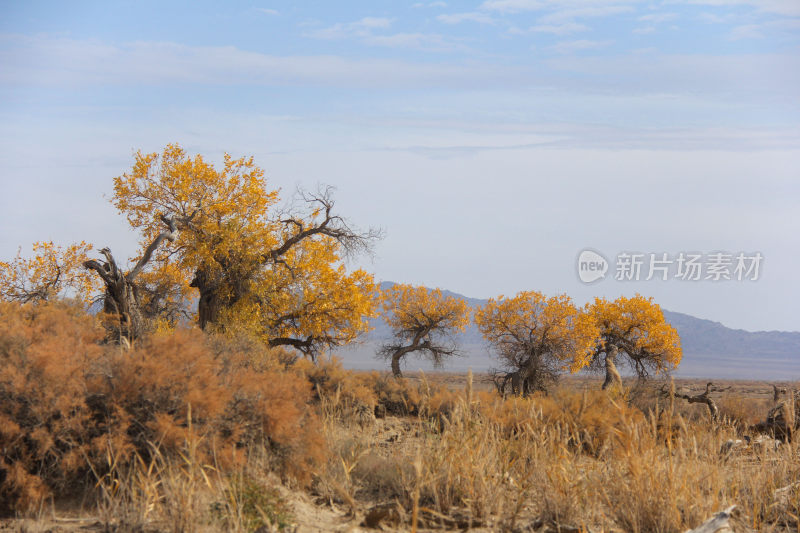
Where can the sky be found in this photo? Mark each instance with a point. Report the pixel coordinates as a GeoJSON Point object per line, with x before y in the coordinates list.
{"type": "Point", "coordinates": [491, 141]}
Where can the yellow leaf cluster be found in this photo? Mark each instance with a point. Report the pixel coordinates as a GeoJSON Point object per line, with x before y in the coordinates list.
{"type": "Point", "coordinates": [323, 303]}
{"type": "Point", "coordinates": [222, 215]}
{"type": "Point", "coordinates": [532, 325]}
{"type": "Point", "coordinates": [637, 326]}
{"type": "Point", "coordinates": [52, 272]}
{"type": "Point", "coordinates": [408, 309]}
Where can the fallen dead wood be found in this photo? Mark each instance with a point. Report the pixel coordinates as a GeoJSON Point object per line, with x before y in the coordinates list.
{"type": "Point", "coordinates": [719, 523]}
{"type": "Point", "coordinates": [703, 397]}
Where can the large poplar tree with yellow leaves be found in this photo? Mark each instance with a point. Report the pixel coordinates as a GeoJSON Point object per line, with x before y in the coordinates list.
{"type": "Point", "coordinates": [276, 272]}
{"type": "Point", "coordinates": [218, 237]}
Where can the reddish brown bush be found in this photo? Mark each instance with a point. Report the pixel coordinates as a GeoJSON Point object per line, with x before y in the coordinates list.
{"type": "Point", "coordinates": [45, 353]}
{"type": "Point", "coordinates": [395, 396]}
{"type": "Point", "coordinates": [341, 391]}
{"type": "Point", "coordinates": [66, 402]}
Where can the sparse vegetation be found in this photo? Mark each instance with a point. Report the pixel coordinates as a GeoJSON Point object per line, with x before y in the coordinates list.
{"type": "Point", "coordinates": [187, 432]}
{"type": "Point", "coordinates": [143, 423]}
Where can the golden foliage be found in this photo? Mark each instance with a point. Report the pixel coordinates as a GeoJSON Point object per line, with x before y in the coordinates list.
{"type": "Point", "coordinates": [533, 325]}
{"type": "Point", "coordinates": [221, 214]}
{"type": "Point", "coordinates": [637, 327]}
{"type": "Point", "coordinates": [317, 300]}
{"type": "Point", "coordinates": [423, 321]}
{"type": "Point", "coordinates": [52, 272]}
{"type": "Point", "coordinates": [408, 309]}
{"type": "Point", "coordinates": [232, 246]}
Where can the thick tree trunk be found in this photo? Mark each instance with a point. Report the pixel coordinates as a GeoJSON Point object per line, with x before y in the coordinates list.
{"type": "Point", "coordinates": [120, 302]}
{"type": "Point", "coordinates": [397, 353]}
{"type": "Point", "coordinates": [121, 299]}
{"type": "Point", "coordinates": [217, 292]}
{"type": "Point", "coordinates": [396, 372]}
{"type": "Point", "coordinates": [208, 305]}
{"type": "Point", "coordinates": [613, 379]}
{"type": "Point", "coordinates": [517, 384]}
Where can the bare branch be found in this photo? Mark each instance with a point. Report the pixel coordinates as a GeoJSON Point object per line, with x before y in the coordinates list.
{"type": "Point", "coordinates": [100, 269]}
{"type": "Point", "coordinates": [331, 225]}
{"type": "Point", "coordinates": [148, 252]}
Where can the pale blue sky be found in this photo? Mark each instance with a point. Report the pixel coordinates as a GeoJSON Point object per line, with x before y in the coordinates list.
{"type": "Point", "coordinates": [491, 140]}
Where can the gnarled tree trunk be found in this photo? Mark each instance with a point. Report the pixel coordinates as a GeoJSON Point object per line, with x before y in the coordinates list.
{"type": "Point", "coordinates": [397, 354]}
{"type": "Point", "coordinates": [121, 298]}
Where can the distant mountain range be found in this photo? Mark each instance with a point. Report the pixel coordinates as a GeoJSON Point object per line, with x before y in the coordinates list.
{"type": "Point", "coordinates": [709, 349]}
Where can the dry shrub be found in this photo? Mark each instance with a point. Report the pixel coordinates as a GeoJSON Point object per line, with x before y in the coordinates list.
{"type": "Point", "coordinates": [590, 421]}
{"type": "Point", "coordinates": [341, 392]}
{"type": "Point", "coordinates": [46, 427]}
{"type": "Point", "coordinates": [67, 404]}
{"type": "Point", "coordinates": [594, 420]}
{"type": "Point", "coordinates": [171, 389]}
{"type": "Point", "coordinates": [249, 504]}
{"type": "Point", "coordinates": [395, 396]}
{"type": "Point", "coordinates": [381, 477]}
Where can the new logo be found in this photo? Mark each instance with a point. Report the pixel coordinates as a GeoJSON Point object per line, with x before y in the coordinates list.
{"type": "Point", "coordinates": [591, 266]}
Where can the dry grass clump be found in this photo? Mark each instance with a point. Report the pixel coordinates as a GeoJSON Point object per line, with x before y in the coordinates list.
{"type": "Point", "coordinates": [396, 396]}
{"type": "Point", "coordinates": [342, 394]}
{"type": "Point", "coordinates": [568, 460]}
{"type": "Point", "coordinates": [73, 411]}
{"type": "Point", "coordinates": [742, 414]}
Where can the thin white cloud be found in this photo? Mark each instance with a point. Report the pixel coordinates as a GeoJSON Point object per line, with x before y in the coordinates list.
{"type": "Point", "coordinates": [560, 29]}
{"type": "Point", "coordinates": [779, 7]}
{"type": "Point", "coordinates": [570, 47]}
{"type": "Point", "coordinates": [368, 31]}
{"type": "Point", "coordinates": [418, 41]}
{"type": "Point", "coordinates": [512, 6]}
{"type": "Point", "coordinates": [644, 30]}
{"type": "Point", "coordinates": [458, 18]}
{"type": "Point", "coordinates": [431, 4]}
{"type": "Point", "coordinates": [267, 11]}
{"type": "Point", "coordinates": [515, 6]}
{"type": "Point", "coordinates": [749, 77]}
{"type": "Point", "coordinates": [568, 15]}
{"type": "Point", "coordinates": [358, 28]}
{"type": "Point", "coordinates": [715, 18]}
{"type": "Point", "coordinates": [47, 61]}
{"type": "Point", "coordinates": [59, 62]}
{"type": "Point", "coordinates": [761, 30]}
{"type": "Point", "coordinates": [656, 18]}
